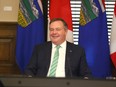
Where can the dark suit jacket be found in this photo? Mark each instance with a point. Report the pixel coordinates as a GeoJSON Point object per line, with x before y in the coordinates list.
{"type": "Point", "coordinates": [1, 85]}
{"type": "Point", "coordinates": [75, 64]}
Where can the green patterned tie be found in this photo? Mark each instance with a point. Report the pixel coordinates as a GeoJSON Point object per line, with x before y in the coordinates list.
{"type": "Point", "coordinates": [54, 62]}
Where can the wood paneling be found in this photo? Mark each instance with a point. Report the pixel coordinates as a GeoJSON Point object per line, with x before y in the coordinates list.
{"type": "Point", "coordinates": [7, 49]}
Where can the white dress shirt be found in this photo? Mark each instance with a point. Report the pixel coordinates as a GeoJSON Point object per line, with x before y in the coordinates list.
{"type": "Point", "coordinates": [60, 71]}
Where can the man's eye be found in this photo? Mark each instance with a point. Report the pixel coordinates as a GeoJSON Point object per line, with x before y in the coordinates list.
{"type": "Point", "coordinates": [51, 29]}
{"type": "Point", "coordinates": [58, 29]}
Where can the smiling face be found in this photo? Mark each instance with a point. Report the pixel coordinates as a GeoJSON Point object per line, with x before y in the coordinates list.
{"type": "Point", "coordinates": [57, 32]}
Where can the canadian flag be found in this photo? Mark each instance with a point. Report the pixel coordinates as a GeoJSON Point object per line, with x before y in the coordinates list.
{"type": "Point", "coordinates": [113, 38]}
{"type": "Point", "coordinates": [62, 9]}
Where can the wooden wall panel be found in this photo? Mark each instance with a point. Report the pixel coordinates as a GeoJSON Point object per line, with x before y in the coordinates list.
{"type": "Point", "coordinates": [7, 49]}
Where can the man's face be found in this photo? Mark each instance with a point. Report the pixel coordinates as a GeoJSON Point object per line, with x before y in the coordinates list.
{"type": "Point", "coordinates": [57, 32]}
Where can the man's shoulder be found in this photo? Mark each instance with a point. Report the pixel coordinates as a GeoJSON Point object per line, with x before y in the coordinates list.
{"type": "Point", "coordinates": [74, 46]}
{"type": "Point", "coordinates": [76, 49]}
{"type": "Point", "coordinates": [45, 43]}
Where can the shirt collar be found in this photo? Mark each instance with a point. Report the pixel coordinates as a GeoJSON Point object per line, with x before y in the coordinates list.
{"type": "Point", "coordinates": [62, 45]}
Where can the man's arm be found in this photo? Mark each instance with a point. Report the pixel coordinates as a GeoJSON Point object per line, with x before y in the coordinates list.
{"type": "Point", "coordinates": [31, 68]}
{"type": "Point", "coordinates": [84, 69]}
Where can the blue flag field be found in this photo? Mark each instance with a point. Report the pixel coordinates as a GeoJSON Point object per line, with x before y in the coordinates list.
{"type": "Point", "coordinates": [30, 31]}
{"type": "Point", "coordinates": [93, 37]}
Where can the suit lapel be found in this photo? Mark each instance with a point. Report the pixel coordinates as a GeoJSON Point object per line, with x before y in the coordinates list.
{"type": "Point", "coordinates": [68, 70]}
{"type": "Point", "coordinates": [48, 56]}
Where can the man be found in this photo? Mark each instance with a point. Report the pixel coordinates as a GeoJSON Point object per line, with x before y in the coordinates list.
{"type": "Point", "coordinates": [71, 61]}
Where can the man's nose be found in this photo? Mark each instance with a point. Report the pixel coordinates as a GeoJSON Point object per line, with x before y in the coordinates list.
{"type": "Point", "coordinates": [54, 31]}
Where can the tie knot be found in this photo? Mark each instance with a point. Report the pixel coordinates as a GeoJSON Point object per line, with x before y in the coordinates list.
{"type": "Point", "coordinates": [58, 46]}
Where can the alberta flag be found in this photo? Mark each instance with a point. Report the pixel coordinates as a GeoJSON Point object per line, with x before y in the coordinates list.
{"type": "Point", "coordinates": [30, 30]}
{"type": "Point", "coordinates": [93, 37]}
